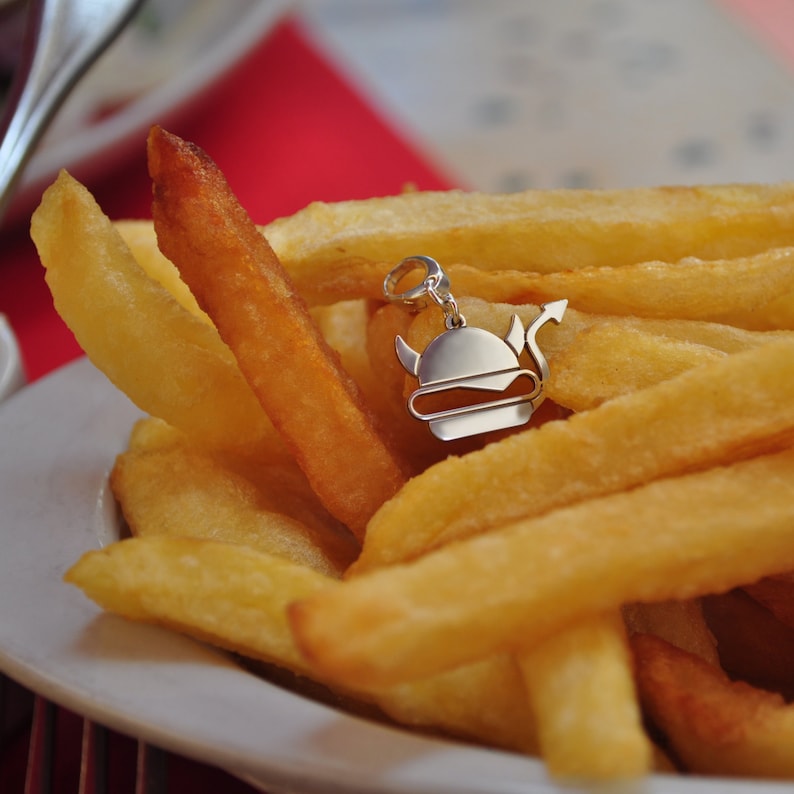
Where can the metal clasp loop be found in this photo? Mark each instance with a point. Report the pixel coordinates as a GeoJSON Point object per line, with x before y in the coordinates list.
{"type": "Point", "coordinates": [434, 285]}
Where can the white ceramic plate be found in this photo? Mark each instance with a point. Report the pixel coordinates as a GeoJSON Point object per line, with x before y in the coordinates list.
{"type": "Point", "coordinates": [172, 52]}
{"type": "Point", "coordinates": [58, 439]}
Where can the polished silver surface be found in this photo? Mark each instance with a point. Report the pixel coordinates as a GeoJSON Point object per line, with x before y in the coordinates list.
{"type": "Point", "coordinates": [63, 39]}
{"type": "Point", "coordinates": [464, 361]}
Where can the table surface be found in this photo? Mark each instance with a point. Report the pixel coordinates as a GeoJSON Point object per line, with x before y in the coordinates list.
{"type": "Point", "coordinates": [349, 99]}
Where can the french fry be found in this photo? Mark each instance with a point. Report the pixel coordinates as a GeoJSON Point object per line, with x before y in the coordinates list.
{"type": "Point", "coordinates": [238, 595]}
{"type": "Point", "coordinates": [237, 279]}
{"type": "Point", "coordinates": [776, 593]}
{"type": "Point", "coordinates": [485, 701]}
{"type": "Point", "coordinates": [608, 360]}
{"type": "Point", "coordinates": [714, 725]}
{"type": "Point", "coordinates": [622, 355]}
{"type": "Point", "coordinates": [347, 327]}
{"type": "Point", "coordinates": [168, 362]}
{"type": "Point", "coordinates": [142, 242]}
{"type": "Point", "coordinates": [237, 602]}
{"type": "Point", "coordinates": [703, 416]}
{"type": "Point", "coordinates": [183, 489]}
{"type": "Point", "coordinates": [681, 623]}
{"type": "Point", "coordinates": [754, 646]}
{"type": "Point", "coordinates": [495, 317]}
{"type": "Point", "coordinates": [680, 537]}
{"type": "Point", "coordinates": [336, 251]}
{"type": "Point", "coordinates": [581, 686]}
{"type": "Point", "coordinates": [730, 291]}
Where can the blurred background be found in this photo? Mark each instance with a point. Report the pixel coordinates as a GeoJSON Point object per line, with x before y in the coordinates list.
{"type": "Point", "coordinates": [500, 95]}
{"type": "Point", "coordinates": [512, 94]}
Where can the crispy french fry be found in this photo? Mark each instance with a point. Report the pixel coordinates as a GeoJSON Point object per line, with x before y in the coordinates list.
{"type": "Point", "coordinates": [714, 725]}
{"type": "Point", "coordinates": [337, 251]}
{"type": "Point", "coordinates": [577, 373]}
{"type": "Point", "coordinates": [238, 595]}
{"type": "Point", "coordinates": [608, 360]}
{"type": "Point", "coordinates": [237, 279]}
{"type": "Point", "coordinates": [581, 686]}
{"type": "Point", "coordinates": [185, 490]}
{"type": "Point", "coordinates": [706, 415]}
{"type": "Point", "coordinates": [142, 242]}
{"type": "Point", "coordinates": [485, 701]}
{"type": "Point", "coordinates": [237, 601]}
{"type": "Point", "coordinates": [675, 538]}
{"type": "Point", "coordinates": [348, 326]}
{"type": "Point", "coordinates": [495, 317]}
{"type": "Point", "coordinates": [168, 362]}
{"type": "Point", "coordinates": [730, 291]}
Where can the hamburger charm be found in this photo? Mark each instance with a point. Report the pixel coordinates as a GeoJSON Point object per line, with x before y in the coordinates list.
{"type": "Point", "coordinates": [478, 371]}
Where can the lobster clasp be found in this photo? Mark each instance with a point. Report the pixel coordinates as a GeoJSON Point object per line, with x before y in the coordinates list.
{"type": "Point", "coordinates": [435, 280]}
{"type": "Point", "coordinates": [434, 285]}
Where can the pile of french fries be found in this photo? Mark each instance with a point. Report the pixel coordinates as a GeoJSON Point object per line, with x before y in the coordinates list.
{"type": "Point", "coordinates": [610, 588]}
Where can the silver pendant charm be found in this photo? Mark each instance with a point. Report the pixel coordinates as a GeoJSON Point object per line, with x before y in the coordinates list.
{"type": "Point", "coordinates": [465, 363]}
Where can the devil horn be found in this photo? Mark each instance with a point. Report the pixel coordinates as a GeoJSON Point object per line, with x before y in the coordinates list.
{"type": "Point", "coordinates": [409, 358]}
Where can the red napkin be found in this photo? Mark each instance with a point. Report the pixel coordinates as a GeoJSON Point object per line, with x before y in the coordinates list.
{"type": "Point", "coordinates": [285, 128]}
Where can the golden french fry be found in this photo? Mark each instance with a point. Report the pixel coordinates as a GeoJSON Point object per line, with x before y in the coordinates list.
{"type": "Point", "coordinates": [485, 701]}
{"type": "Point", "coordinates": [495, 317]}
{"type": "Point", "coordinates": [167, 361]}
{"type": "Point", "coordinates": [142, 242]}
{"type": "Point", "coordinates": [681, 623]}
{"type": "Point", "coordinates": [185, 490]}
{"type": "Point", "coordinates": [714, 725]}
{"type": "Point", "coordinates": [581, 687]}
{"type": "Point", "coordinates": [237, 595]}
{"type": "Point", "coordinates": [608, 360]}
{"type": "Point", "coordinates": [237, 601]}
{"type": "Point", "coordinates": [730, 291]}
{"type": "Point", "coordinates": [672, 538]}
{"type": "Point", "coordinates": [707, 415]}
{"type": "Point", "coordinates": [337, 251]}
{"type": "Point", "coordinates": [237, 279]}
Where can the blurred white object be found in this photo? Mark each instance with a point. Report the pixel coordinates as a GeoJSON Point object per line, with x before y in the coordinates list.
{"type": "Point", "coordinates": [64, 37]}
{"type": "Point", "coordinates": [12, 374]}
{"type": "Point", "coordinates": [162, 63]}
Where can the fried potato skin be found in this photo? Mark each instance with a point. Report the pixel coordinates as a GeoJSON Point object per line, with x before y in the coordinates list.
{"type": "Point", "coordinates": [714, 725]}
{"type": "Point", "coordinates": [237, 279]}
